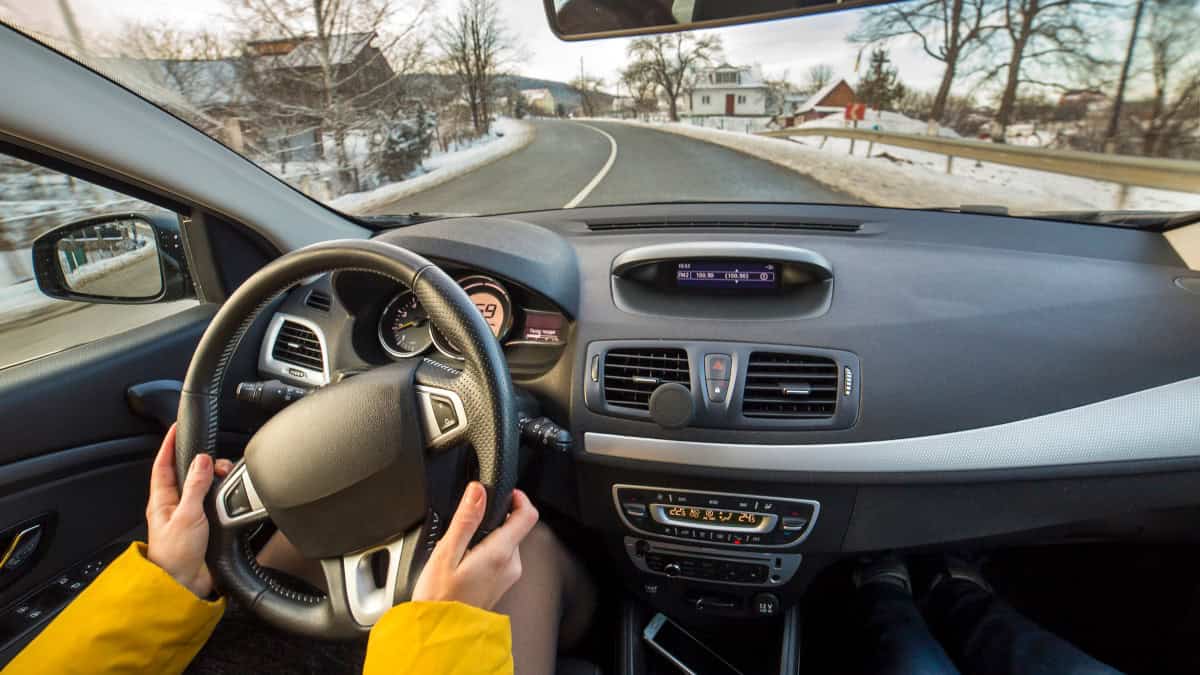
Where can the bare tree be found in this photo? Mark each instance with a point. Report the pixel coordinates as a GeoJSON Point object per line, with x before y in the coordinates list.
{"type": "Point", "coordinates": [1114, 120]}
{"type": "Point", "coordinates": [671, 62]}
{"type": "Point", "coordinates": [331, 65]}
{"type": "Point", "coordinates": [1041, 32]}
{"type": "Point", "coordinates": [1175, 101]}
{"type": "Point", "coordinates": [949, 31]}
{"type": "Point", "coordinates": [818, 76]}
{"type": "Point", "coordinates": [590, 96]}
{"type": "Point", "coordinates": [475, 46]}
{"type": "Point", "coordinates": [641, 88]}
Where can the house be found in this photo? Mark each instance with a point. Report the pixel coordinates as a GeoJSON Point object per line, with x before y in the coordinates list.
{"type": "Point", "coordinates": [541, 102]}
{"type": "Point", "coordinates": [728, 91]}
{"type": "Point", "coordinates": [273, 95]}
{"type": "Point", "coordinates": [833, 97]}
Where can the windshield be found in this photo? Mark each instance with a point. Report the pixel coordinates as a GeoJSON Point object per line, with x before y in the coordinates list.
{"type": "Point", "coordinates": [389, 107]}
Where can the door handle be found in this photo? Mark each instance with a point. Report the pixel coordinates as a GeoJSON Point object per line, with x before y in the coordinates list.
{"type": "Point", "coordinates": [19, 548]}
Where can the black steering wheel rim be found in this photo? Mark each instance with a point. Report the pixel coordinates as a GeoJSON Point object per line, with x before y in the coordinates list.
{"type": "Point", "coordinates": [486, 393]}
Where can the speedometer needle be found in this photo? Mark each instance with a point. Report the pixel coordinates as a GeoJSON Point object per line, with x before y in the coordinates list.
{"type": "Point", "coordinates": [402, 326]}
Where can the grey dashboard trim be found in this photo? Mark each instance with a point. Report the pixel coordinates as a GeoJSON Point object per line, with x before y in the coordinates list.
{"type": "Point", "coordinates": [1158, 423]}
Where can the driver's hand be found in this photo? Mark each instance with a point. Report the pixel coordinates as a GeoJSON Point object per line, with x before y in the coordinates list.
{"type": "Point", "coordinates": [483, 574]}
{"type": "Point", "coordinates": [178, 528]}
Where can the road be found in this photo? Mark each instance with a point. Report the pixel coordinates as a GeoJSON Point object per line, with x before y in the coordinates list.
{"type": "Point", "coordinates": [566, 157]}
{"type": "Point", "coordinates": [140, 279]}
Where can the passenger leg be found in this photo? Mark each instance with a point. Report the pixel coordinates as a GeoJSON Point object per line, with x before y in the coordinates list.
{"type": "Point", "coordinates": [987, 636]}
{"type": "Point", "coordinates": [893, 637]}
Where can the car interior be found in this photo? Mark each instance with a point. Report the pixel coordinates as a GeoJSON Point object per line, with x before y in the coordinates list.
{"type": "Point", "coordinates": [718, 407]}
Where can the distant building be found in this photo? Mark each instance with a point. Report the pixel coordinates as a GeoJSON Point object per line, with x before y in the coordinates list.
{"type": "Point", "coordinates": [833, 97]}
{"type": "Point", "coordinates": [1086, 99]}
{"type": "Point", "coordinates": [541, 101]}
{"type": "Point", "coordinates": [729, 91]}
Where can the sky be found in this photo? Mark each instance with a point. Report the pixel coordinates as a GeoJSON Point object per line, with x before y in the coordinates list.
{"type": "Point", "coordinates": [789, 46]}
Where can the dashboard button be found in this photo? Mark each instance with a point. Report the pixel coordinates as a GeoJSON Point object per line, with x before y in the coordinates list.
{"type": "Point", "coordinates": [237, 502]}
{"type": "Point", "coordinates": [792, 523]}
{"type": "Point", "coordinates": [717, 390]}
{"type": "Point", "coordinates": [716, 366]}
{"type": "Point", "coordinates": [634, 509]}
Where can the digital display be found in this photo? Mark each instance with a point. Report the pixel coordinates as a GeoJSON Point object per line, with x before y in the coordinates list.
{"type": "Point", "coordinates": [723, 517]}
{"type": "Point", "coordinates": [727, 274]}
{"type": "Point", "coordinates": [491, 307]}
{"type": "Point", "coordinates": [543, 327]}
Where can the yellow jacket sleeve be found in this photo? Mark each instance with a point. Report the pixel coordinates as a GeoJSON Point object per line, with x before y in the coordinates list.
{"type": "Point", "coordinates": [134, 618]}
{"type": "Point", "coordinates": [442, 638]}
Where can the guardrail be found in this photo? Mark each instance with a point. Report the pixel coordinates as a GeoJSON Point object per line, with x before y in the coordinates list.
{"type": "Point", "coordinates": [1126, 171]}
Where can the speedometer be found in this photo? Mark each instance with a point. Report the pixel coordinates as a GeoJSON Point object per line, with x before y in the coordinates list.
{"type": "Point", "coordinates": [493, 304]}
{"type": "Point", "coordinates": [404, 328]}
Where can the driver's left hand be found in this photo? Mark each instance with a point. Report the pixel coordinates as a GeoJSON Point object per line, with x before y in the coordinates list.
{"type": "Point", "coordinates": [178, 528]}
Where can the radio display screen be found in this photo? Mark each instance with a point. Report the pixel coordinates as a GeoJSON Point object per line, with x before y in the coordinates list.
{"type": "Point", "coordinates": [723, 517]}
{"type": "Point", "coordinates": [727, 274]}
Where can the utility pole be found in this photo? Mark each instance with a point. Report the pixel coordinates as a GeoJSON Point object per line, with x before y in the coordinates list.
{"type": "Point", "coordinates": [1114, 121]}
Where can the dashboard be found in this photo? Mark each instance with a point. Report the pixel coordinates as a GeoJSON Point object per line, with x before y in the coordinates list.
{"type": "Point", "coordinates": [792, 383]}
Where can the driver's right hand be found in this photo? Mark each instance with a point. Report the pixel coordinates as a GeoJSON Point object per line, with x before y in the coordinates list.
{"type": "Point", "coordinates": [482, 575]}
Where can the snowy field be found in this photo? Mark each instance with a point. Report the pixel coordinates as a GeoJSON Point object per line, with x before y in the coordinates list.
{"type": "Point", "coordinates": [904, 178]}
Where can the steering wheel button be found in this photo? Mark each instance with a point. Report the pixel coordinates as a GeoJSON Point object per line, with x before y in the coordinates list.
{"type": "Point", "coordinates": [443, 410]}
{"type": "Point", "coordinates": [237, 502]}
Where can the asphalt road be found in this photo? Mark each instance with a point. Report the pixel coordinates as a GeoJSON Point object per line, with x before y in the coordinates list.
{"type": "Point", "coordinates": [566, 157]}
{"type": "Point", "coordinates": [141, 279]}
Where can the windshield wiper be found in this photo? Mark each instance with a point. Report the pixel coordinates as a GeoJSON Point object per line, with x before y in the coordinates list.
{"type": "Point", "coordinates": [400, 220]}
{"type": "Point", "coordinates": [1153, 221]}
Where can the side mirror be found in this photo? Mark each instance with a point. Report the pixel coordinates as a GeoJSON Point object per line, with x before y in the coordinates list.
{"type": "Point", "coordinates": [125, 258]}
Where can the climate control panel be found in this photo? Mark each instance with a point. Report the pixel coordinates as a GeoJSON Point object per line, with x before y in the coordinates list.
{"type": "Point", "coordinates": [715, 518]}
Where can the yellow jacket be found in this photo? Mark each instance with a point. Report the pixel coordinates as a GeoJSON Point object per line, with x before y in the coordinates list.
{"type": "Point", "coordinates": [134, 618]}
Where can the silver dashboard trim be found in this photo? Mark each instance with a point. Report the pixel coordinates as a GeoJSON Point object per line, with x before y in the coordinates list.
{"type": "Point", "coordinates": [1158, 423]}
{"type": "Point", "coordinates": [268, 364]}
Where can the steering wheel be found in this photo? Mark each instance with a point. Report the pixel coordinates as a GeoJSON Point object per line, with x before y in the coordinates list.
{"type": "Point", "coordinates": [345, 472]}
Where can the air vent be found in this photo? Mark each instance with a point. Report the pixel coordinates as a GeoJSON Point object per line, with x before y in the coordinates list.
{"type": "Point", "coordinates": [298, 345]}
{"type": "Point", "coordinates": [632, 374]}
{"type": "Point", "coordinates": [318, 300]}
{"type": "Point", "coordinates": [790, 386]}
{"type": "Point", "coordinates": [770, 224]}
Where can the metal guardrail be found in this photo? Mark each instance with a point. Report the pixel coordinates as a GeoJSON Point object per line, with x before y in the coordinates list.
{"type": "Point", "coordinates": [1163, 174]}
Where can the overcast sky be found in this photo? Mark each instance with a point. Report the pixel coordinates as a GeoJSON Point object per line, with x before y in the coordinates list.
{"type": "Point", "coordinates": [790, 46]}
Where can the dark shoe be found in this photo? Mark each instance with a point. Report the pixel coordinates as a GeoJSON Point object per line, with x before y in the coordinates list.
{"type": "Point", "coordinates": [888, 568]}
{"type": "Point", "coordinates": [960, 568]}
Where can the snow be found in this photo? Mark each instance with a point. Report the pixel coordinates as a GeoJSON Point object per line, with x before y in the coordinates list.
{"type": "Point", "coordinates": [914, 179]}
{"type": "Point", "coordinates": [876, 120]}
{"type": "Point", "coordinates": [508, 136]}
{"type": "Point", "coordinates": [747, 124]}
{"type": "Point", "coordinates": [93, 270]}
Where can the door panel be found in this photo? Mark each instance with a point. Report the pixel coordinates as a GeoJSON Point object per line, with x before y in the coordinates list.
{"type": "Point", "coordinates": [72, 450]}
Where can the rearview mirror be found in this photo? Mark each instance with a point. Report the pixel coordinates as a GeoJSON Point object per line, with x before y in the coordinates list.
{"type": "Point", "coordinates": [127, 258]}
{"type": "Point", "coordinates": [591, 19]}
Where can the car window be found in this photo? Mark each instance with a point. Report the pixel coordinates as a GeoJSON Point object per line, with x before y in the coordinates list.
{"type": "Point", "coordinates": [34, 200]}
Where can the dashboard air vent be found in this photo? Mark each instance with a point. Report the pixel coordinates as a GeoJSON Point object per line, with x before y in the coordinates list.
{"type": "Point", "coordinates": [298, 345]}
{"type": "Point", "coordinates": [632, 374]}
{"type": "Point", "coordinates": [318, 300]}
{"type": "Point", "coordinates": [790, 386]}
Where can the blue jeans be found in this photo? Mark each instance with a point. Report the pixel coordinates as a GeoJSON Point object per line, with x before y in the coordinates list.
{"type": "Point", "coordinates": [979, 635]}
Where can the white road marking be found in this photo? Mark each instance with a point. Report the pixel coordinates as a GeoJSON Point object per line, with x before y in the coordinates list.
{"type": "Point", "coordinates": [612, 157]}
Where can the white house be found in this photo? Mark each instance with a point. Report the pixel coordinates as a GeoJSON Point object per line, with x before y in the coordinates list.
{"type": "Point", "coordinates": [728, 91]}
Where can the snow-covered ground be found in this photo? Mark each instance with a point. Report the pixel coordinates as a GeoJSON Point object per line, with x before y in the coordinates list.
{"type": "Point", "coordinates": [506, 137]}
{"type": "Point", "coordinates": [747, 125]}
{"type": "Point", "coordinates": [905, 178]}
{"type": "Point", "coordinates": [22, 302]}
{"type": "Point", "coordinates": [892, 122]}
{"type": "Point", "coordinates": [94, 269]}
